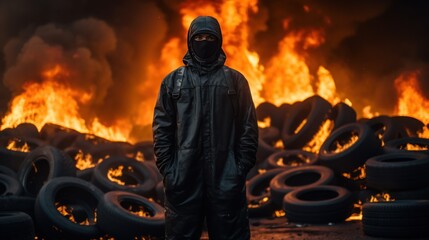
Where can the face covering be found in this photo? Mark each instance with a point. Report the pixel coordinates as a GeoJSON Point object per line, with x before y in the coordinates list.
{"type": "Point", "coordinates": [205, 49]}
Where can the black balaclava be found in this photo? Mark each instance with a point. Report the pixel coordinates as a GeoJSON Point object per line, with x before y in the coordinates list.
{"type": "Point", "coordinates": [205, 49]}
{"type": "Point", "coordinates": [205, 52]}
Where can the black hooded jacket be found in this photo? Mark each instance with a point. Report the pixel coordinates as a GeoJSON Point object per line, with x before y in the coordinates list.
{"type": "Point", "coordinates": [201, 134]}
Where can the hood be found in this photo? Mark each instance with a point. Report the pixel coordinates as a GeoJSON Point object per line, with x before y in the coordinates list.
{"type": "Point", "coordinates": [204, 24]}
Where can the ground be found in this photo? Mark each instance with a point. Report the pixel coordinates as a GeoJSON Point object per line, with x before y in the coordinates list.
{"type": "Point", "coordinates": [280, 229]}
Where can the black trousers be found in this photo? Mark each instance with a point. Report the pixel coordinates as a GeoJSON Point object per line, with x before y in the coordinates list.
{"type": "Point", "coordinates": [223, 208]}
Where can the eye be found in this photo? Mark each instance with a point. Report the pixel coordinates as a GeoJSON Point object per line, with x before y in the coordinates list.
{"type": "Point", "coordinates": [199, 38]}
{"type": "Point", "coordinates": [210, 38]}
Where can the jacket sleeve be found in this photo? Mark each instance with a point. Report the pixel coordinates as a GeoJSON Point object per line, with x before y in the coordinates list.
{"type": "Point", "coordinates": [247, 127]}
{"type": "Point", "coordinates": [163, 127]}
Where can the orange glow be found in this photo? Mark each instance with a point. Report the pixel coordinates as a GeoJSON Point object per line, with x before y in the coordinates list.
{"type": "Point", "coordinates": [381, 197]}
{"type": "Point", "coordinates": [16, 145]}
{"type": "Point", "coordinates": [53, 102]}
{"type": "Point", "coordinates": [285, 77]}
{"type": "Point", "coordinates": [67, 212]}
{"type": "Point", "coordinates": [83, 161]}
{"type": "Point", "coordinates": [113, 174]}
{"type": "Point", "coordinates": [320, 137]}
{"type": "Point", "coordinates": [339, 146]}
{"type": "Point", "coordinates": [411, 101]}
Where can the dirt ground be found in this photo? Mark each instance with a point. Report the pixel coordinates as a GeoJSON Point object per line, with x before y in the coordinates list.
{"type": "Point", "coordinates": [280, 229]}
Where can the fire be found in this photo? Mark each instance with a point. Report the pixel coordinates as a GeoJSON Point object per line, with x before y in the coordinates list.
{"type": "Point", "coordinates": [139, 211]}
{"type": "Point", "coordinates": [416, 147]}
{"type": "Point", "coordinates": [317, 141]}
{"type": "Point", "coordinates": [53, 102]}
{"type": "Point", "coordinates": [83, 161]}
{"type": "Point", "coordinates": [381, 197]}
{"type": "Point", "coordinates": [411, 101]}
{"type": "Point", "coordinates": [357, 174]}
{"type": "Point", "coordinates": [357, 214]}
{"type": "Point", "coordinates": [67, 212]}
{"type": "Point", "coordinates": [16, 145]}
{"type": "Point", "coordinates": [342, 146]}
{"type": "Point", "coordinates": [284, 78]}
{"type": "Point", "coordinates": [114, 173]}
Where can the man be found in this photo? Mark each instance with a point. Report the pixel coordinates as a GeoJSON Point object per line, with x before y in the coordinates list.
{"type": "Point", "coordinates": [205, 140]}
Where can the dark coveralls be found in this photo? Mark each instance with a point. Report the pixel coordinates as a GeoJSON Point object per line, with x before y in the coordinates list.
{"type": "Point", "coordinates": [205, 146]}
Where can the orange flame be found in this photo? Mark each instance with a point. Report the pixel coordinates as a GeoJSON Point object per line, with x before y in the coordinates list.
{"type": "Point", "coordinates": [52, 102]}
{"type": "Point", "coordinates": [411, 101]}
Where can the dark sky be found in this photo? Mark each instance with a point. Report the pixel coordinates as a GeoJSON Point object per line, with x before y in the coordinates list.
{"type": "Point", "coordinates": [368, 43]}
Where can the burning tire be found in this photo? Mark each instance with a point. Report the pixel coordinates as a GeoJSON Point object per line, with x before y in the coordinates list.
{"type": "Point", "coordinates": [320, 204]}
{"type": "Point", "coordinates": [398, 171]}
{"type": "Point", "coordinates": [348, 147]}
{"type": "Point", "coordinates": [110, 149]}
{"type": "Point", "coordinates": [384, 127]}
{"type": "Point", "coordinates": [276, 114]}
{"type": "Point", "coordinates": [413, 144]}
{"type": "Point", "coordinates": [26, 130]}
{"type": "Point", "coordinates": [258, 194]}
{"type": "Point", "coordinates": [125, 174]}
{"type": "Point", "coordinates": [294, 178]}
{"type": "Point", "coordinates": [291, 158]}
{"type": "Point", "coordinates": [410, 126]}
{"type": "Point", "coordinates": [66, 209]}
{"type": "Point", "coordinates": [145, 148]}
{"type": "Point", "coordinates": [9, 186]}
{"type": "Point", "coordinates": [342, 114]}
{"type": "Point", "coordinates": [42, 165]}
{"type": "Point", "coordinates": [127, 215]}
{"type": "Point", "coordinates": [266, 141]}
{"type": "Point", "coordinates": [16, 225]}
{"type": "Point", "coordinates": [14, 150]}
{"type": "Point", "coordinates": [311, 114]}
{"type": "Point", "coordinates": [407, 218]}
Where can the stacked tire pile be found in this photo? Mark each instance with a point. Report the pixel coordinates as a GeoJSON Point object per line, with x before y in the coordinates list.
{"type": "Point", "coordinates": [359, 158]}
{"type": "Point", "coordinates": [44, 194]}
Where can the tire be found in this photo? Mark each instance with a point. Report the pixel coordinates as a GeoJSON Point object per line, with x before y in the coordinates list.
{"type": "Point", "coordinates": [16, 226]}
{"type": "Point", "coordinates": [17, 204]}
{"type": "Point", "coordinates": [110, 149]}
{"type": "Point", "coordinates": [41, 165]}
{"type": "Point", "coordinates": [397, 171]}
{"type": "Point", "coordinates": [384, 127]}
{"type": "Point", "coordinates": [14, 158]}
{"type": "Point", "coordinates": [265, 110]}
{"type": "Point", "coordinates": [407, 218]}
{"type": "Point", "coordinates": [342, 114]}
{"type": "Point", "coordinates": [266, 141]}
{"type": "Point", "coordinates": [319, 204]}
{"type": "Point", "coordinates": [79, 197]}
{"type": "Point", "coordinates": [137, 177]}
{"type": "Point", "coordinates": [401, 145]}
{"type": "Point", "coordinates": [145, 148]}
{"type": "Point", "coordinates": [8, 171]}
{"type": "Point", "coordinates": [349, 159]}
{"type": "Point", "coordinates": [115, 217]}
{"type": "Point", "coordinates": [64, 139]}
{"type": "Point", "coordinates": [50, 130]}
{"type": "Point", "coordinates": [258, 196]}
{"type": "Point", "coordinates": [410, 126]}
{"type": "Point", "coordinates": [291, 158]}
{"type": "Point", "coordinates": [298, 177]}
{"type": "Point", "coordinates": [160, 195]}
{"type": "Point", "coordinates": [27, 130]}
{"type": "Point", "coordinates": [315, 111]}
{"type": "Point", "coordinates": [9, 186]}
